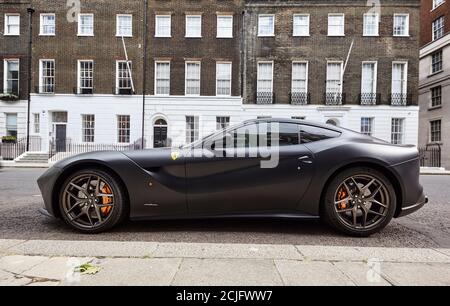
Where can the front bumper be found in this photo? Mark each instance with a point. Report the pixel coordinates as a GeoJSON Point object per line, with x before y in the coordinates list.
{"type": "Point", "coordinates": [413, 208]}
{"type": "Point", "coordinates": [46, 184]}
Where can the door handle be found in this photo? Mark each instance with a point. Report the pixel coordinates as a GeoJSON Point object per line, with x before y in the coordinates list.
{"type": "Point", "coordinates": [305, 159]}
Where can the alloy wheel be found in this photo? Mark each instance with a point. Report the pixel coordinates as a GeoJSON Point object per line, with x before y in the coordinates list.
{"type": "Point", "coordinates": [88, 201]}
{"type": "Point", "coordinates": [361, 202]}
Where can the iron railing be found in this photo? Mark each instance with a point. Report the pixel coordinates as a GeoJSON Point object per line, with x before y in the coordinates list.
{"type": "Point", "coordinates": [265, 97]}
{"type": "Point", "coordinates": [68, 147]}
{"type": "Point", "coordinates": [300, 98]}
{"type": "Point", "coordinates": [122, 91]}
{"type": "Point", "coordinates": [369, 98]}
{"type": "Point", "coordinates": [83, 90]}
{"type": "Point", "coordinates": [12, 150]}
{"type": "Point", "coordinates": [334, 98]}
{"type": "Point", "coordinates": [47, 89]}
{"type": "Point", "coordinates": [400, 99]}
{"type": "Point", "coordinates": [431, 156]}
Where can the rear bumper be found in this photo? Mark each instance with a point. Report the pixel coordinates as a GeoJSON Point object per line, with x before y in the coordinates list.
{"type": "Point", "coordinates": [413, 208]}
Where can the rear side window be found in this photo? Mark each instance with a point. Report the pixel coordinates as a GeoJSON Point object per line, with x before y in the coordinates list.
{"type": "Point", "coordinates": [310, 134]}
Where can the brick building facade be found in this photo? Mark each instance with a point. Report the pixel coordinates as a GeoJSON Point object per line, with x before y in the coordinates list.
{"type": "Point", "coordinates": [213, 63]}
{"type": "Point", "coordinates": [13, 66]}
{"type": "Point", "coordinates": [434, 88]}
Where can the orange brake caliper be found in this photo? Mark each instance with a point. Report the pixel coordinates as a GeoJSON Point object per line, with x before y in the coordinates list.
{"type": "Point", "coordinates": [342, 194]}
{"type": "Point", "coordinates": [106, 200]}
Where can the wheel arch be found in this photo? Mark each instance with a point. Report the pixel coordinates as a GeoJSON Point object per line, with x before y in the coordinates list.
{"type": "Point", "coordinates": [81, 166]}
{"type": "Point", "coordinates": [369, 164]}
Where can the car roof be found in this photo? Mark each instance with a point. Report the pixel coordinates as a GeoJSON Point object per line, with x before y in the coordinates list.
{"type": "Point", "coordinates": [297, 121]}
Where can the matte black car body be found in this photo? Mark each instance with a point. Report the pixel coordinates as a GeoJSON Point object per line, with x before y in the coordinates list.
{"type": "Point", "coordinates": [160, 185]}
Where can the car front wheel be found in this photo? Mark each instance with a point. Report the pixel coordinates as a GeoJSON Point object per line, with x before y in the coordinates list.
{"type": "Point", "coordinates": [359, 202]}
{"type": "Point", "coordinates": [92, 201]}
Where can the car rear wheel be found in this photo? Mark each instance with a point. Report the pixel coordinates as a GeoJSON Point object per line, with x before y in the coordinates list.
{"type": "Point", "coordinates": [92, 201]}
{"type": "Point", "coordinates": [359, 202]}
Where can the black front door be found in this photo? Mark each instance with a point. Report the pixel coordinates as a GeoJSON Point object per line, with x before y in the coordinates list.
{"type": "Point", "coordinates": [160, 134]}
{"type": "Point", "coordinates": [240, 181]}
{"type": "Point", "coordinates": [60, 138]}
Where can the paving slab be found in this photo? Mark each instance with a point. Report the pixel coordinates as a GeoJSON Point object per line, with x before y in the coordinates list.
{"type": "Point", "coordinates": [227, 272]}
{"type": "Point", "coordinates": [133, 272]}
{"type": "Point", "coordinates": [56, 268]}
{"type": "Point", "coordinates": [418, 274]}
{"type": "Point", "coordinates": [18, 264]}
{"type": "Point", "coordinates": [212, 250]}
{"type": "Point", "coordinates": [85, 248]}
{"type": "Point", "coordinates": [363, 274]}
{"type": "Point", "coordinates": [340, 253]}
{"type": "Point", "coordinates": [311, 273]}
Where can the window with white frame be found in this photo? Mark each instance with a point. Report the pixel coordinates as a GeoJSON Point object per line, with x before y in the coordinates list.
{"type": "Point", "coordinates": [222, 122]}
{"type": "Point", "coordinates": [47, 76]}
{"type": "Point", "coordinates": [85, 24]}
{"type": "Point", "coordinates": [368, 83]}
{"type": "Point", "coordinates": [401, 24]}
{"type": "Point", "coordinates": [367, 126]}
{"type": "Point", "coordinates": [48, 27]}
{"type": "Point", "coordinates": [266, 25]}
{"type": "Point", "coordinates": [223, 79]}
{"type": "Point", "coordinates": [88, 128]}
{"type": "Point", "coordinates": [192, 81]}
{"type": "Point", "coordinates": [12, 24]}
{"type": "Point", "coordinates": [162, 78]}
{"type": "Point", "coordinates": [224, 26]}
{"type": "Point", "coordinates": [192, 129]}
{"type": "Point", "coordinates": [265, 83]}
{"type": "Point", "coordinates": [436, 96]}
{"type": "Point", "coordinates": [336, 24]}
{"type": "Point", "coordinates": [36, 123]}
{"type": "Point", "coordinates": [124, 81]}
{"type": "Point", "coordinates": [123, 128]}
{"type": "Point", "coordinates": [11, 76]}
{"type": "Point", "coordinates": [436, 62]}
{"type": "Point", "coordinates": [301, 25]}
{"type": "Point", "coordinates": [124, 25]}
{"type": "Point", "coordinates": [86, 77]}
{"type": "Point", "coordinates": [397, 130]}
{"type": "Point", "coordinates": [193, 26]}
{"type": "Point", "coordinates": [334, 77]}
{"type": "Point", "coordinates": [437, 3]}
{"type": "Point", "coordinates": [163, 26]}
{"type": "Point", "coordinates": [438, 28]}
{"type": "Point", "coordinates": [11, 124]}
{"type": "Point", "coordinates": [299, 77]}
{"type": "Point", "coordinates": [399, 82]}
{"type": "Point", "coordinates": [371, 24]}
{"type": "Point", "coordinates": [435, 131]}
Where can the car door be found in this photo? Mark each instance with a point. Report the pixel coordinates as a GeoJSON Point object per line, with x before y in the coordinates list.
{"type": "Point", "coordinates": [253, 175]}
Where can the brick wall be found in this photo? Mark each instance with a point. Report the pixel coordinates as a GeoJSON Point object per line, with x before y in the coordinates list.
{"type": "Point", "coordinates": [319, 48]}
{"type": "Point", "coordinates": [428, 15]}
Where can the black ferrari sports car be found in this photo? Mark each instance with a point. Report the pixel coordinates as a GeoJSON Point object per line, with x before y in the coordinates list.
{"type": "Point", "coordinates": [277, 168]}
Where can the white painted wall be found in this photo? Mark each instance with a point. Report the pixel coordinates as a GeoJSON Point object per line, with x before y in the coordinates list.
{"type": "Point", "coordinates": [174, 110]}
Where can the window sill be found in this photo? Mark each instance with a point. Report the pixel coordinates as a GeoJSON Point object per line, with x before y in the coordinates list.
{"type": "Point", "coordinates": [85, 35]}
{"type": "Point", "coordinates": [294, 35]}
{"type": "Point", "coordinates": [49, 35]}
{"type": "Point", "coordinates": [401, 36]}
{"type": "Point", "coordinates": [160, 36]}
{"type": "Point", "coordinates": [433, 9]}
{"type": "Point", "coordinates": [341, 35]}
{"type": "Point", "coordinates": [124, 36]}
{"type": "Point", "coordinates": [430, 143]}
{"type": "Point", "coordinates": [271, 35]}
{"type": "Point", "coordinates": [435, 73]}
{"type": "Point", "coordinates": [224, 37]}
{"type": "Point", "coordinates": [193, 37]}
{"type": "Point", "coordinates": [431, 108]}
{"type": "Point", "coordinates": [373, 35]}
{"type": "Point", "coordinates": [11, 34]}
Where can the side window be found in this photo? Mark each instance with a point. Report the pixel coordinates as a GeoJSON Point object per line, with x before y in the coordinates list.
{"type": "Point", "coordinates": [289, 134]}
{"type": "Point", "coordinates": [310, 134]}
{"type": "Point", "coordinates": [246, 136]}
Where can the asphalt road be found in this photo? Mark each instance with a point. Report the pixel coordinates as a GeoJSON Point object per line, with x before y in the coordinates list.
{"type": "Point", "coordinates": [19, 219]}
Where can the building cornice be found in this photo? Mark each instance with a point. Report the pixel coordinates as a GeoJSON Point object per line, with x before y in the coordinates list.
{"type": "Point", "coordinates": [435, 45]}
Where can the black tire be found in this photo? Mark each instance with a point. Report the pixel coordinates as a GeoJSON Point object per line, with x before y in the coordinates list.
{"type": "Point", "coordinates": [329, 212]}
{"type": "Point", "coordinates": [120, 209]}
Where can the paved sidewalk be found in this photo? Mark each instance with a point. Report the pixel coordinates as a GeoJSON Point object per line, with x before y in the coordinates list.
{"type": "Point", "coordinates": [46, 262]}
